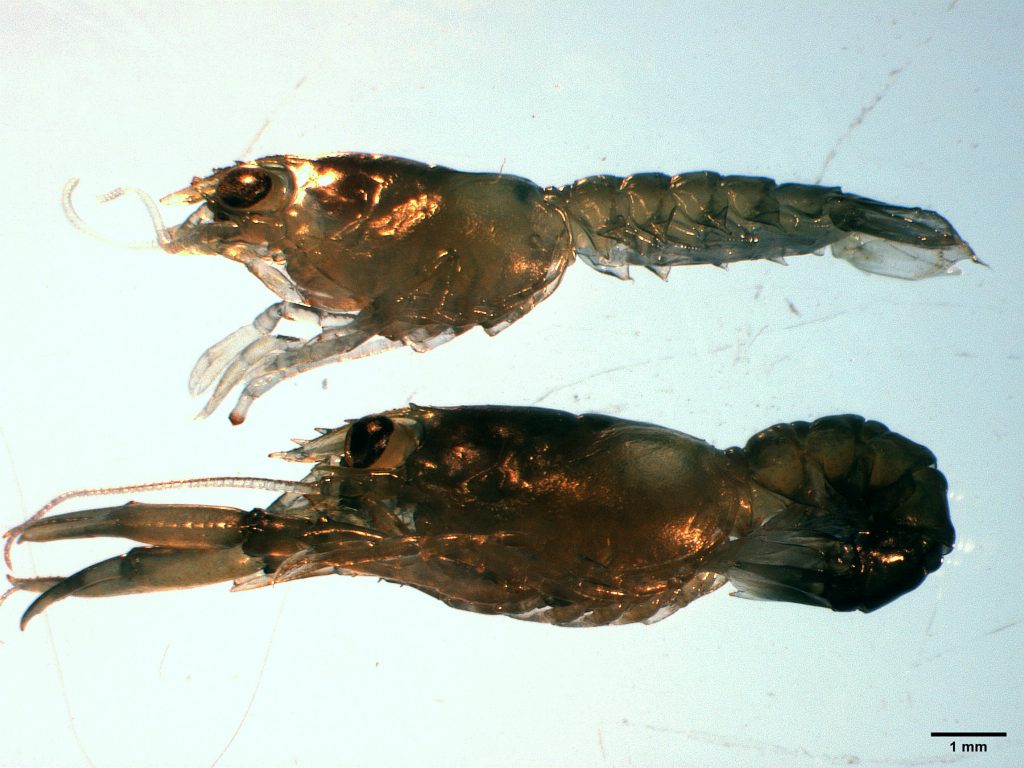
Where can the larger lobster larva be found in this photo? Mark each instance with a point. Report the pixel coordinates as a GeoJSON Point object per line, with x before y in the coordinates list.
{"type": "Point", "coordinates": [547, 516]}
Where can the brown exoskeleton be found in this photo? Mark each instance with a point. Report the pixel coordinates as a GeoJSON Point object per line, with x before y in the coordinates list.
{"type": "Point", "coordinates": [381, 252]}
{"type": "Point", "coordinates": [550, 517]}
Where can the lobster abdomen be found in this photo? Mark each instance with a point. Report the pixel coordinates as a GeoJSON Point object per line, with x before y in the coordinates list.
{"type": "Point", "coordinates": [854, 516]}
{"type": "Point", "coordinates": [658, 221]}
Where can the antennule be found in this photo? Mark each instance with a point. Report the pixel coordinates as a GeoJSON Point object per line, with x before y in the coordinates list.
{"type": "Point", "coordinates": [162, 235]}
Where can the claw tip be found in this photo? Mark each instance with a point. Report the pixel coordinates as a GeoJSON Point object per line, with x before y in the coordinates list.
{"type": "Point", "coordinates": [33, 611]}
{"type": "Point", "coordinates": [8, 545]}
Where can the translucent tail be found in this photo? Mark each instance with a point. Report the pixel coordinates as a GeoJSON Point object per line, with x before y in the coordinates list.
{"type": "Point", "coordinates": [908, 243]}
{"type": "Point", "coordinates": [659, 222]}
{"type": "Point", "coordinates": [853, 516]}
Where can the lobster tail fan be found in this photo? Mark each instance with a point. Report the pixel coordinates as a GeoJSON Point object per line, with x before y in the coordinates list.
{"type": "Point", "coordinates": [862, 516]}
{"type": "Point", "coordinates": [907, 243]}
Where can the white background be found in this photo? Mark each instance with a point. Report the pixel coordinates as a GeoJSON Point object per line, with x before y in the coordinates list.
{"type": "Point", "coordinates": [919, 102]}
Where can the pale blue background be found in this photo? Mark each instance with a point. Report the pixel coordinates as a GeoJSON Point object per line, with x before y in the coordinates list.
{"type": "Point", "coordinates": [921, 103]}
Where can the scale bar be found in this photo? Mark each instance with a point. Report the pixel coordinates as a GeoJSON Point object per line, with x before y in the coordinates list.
{"type": "Point", "coordinates": [968, 733]}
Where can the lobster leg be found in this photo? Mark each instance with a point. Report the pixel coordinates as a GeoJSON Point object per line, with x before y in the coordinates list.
{"type": "Point", "coordinates": [331, 346]}
{"type": "Point", "coordinates": [170, 525]}
{"type": "Point", "coordinates": [213, 361]}
{"type": "Point", "coordinates": [193, 545]}
{"type": "Point", "coordinates": [274, 358]}
{"type": "Point", "coordinates": [142, 569]}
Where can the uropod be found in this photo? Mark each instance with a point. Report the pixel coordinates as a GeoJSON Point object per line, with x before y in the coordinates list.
{"type": "Point", "coordinates": [378, 252]}
{"type": "Point", "coordinates": [546, 516]}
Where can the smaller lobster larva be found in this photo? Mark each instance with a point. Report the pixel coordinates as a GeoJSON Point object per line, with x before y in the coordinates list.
{"type": "Point", "coordinates": [380, 252]}
{"type": "Point", "coordinates": [546, 516]}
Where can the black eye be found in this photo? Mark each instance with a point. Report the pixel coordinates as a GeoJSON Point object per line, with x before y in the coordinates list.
{"type": "Point", "coordinates": [366, 441]}
{"type": "Point", "coordinates": [244, 187]}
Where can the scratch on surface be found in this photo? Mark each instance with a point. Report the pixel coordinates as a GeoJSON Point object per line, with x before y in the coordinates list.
{"type": "Point", "coordinates": [767, 748]}
{"type": "Point", "coordinates": [861, 116]}
{"type": "Point", "coordinates": [744, 342]}
{"type": "Point", "coordinates": [58, 670]}
{"type": "Point", "coordinates": [824, 318]}
{"type": "Point", "coordinates": [744, 338]}
{"type": "Point", "coordinates": [597, 374]}
{"type": "Point", "coordinates": [247, 153]}
{"type": "Point", "coordinates": [931, 620]}
{"type": "Point", "coordinates": [968, 642]}
{"type": "Point", "coordinates": [770, 365]}
{"type": "Point", "coordinates": [1001, 627]}
{"type": "Point", "coordinates": [259, 683]}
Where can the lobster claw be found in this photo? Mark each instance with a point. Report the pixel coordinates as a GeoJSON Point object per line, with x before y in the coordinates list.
{"type": "Point", "coordinates": [142, 569]}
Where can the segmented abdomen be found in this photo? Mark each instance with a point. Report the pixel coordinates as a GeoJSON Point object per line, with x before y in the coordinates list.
{"type": "Point", "coordinates": [659, 221]}
{"type": "Point", "coordinates": [854, 516]}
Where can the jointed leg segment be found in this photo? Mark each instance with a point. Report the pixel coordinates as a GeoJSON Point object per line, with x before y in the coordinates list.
{"type": "Point", "coordinates": [253, 357]}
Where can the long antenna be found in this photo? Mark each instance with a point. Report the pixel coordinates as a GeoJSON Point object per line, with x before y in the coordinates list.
{"type": "Point", "coordinates": [162, 236]}
{"type": "Point", "coordinates": [254, 483]}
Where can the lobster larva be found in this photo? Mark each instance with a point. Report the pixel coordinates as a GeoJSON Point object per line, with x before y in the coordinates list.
{"type": "Point", "coordinates": [381, 252]}
{"type": "Point", "coordinates": [550, 517]}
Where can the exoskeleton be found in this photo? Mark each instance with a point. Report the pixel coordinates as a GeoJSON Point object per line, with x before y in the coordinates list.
{"type": "Point", "coordinates": [381, 252]}
{"type": "Point", "coordinates": [547, 516]}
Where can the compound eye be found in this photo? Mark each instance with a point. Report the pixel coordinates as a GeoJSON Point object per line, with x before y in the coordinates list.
{"type": "Point", "coordinates": [367, 440]}
{"type": "Point", "coordinates": [245, 187]}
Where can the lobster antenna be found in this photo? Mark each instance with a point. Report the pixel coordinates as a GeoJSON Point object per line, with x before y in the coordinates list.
{"type": "Point", "coordinates": [254, 483]}
{"type": "Point", "coordinates": [162, 236]}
